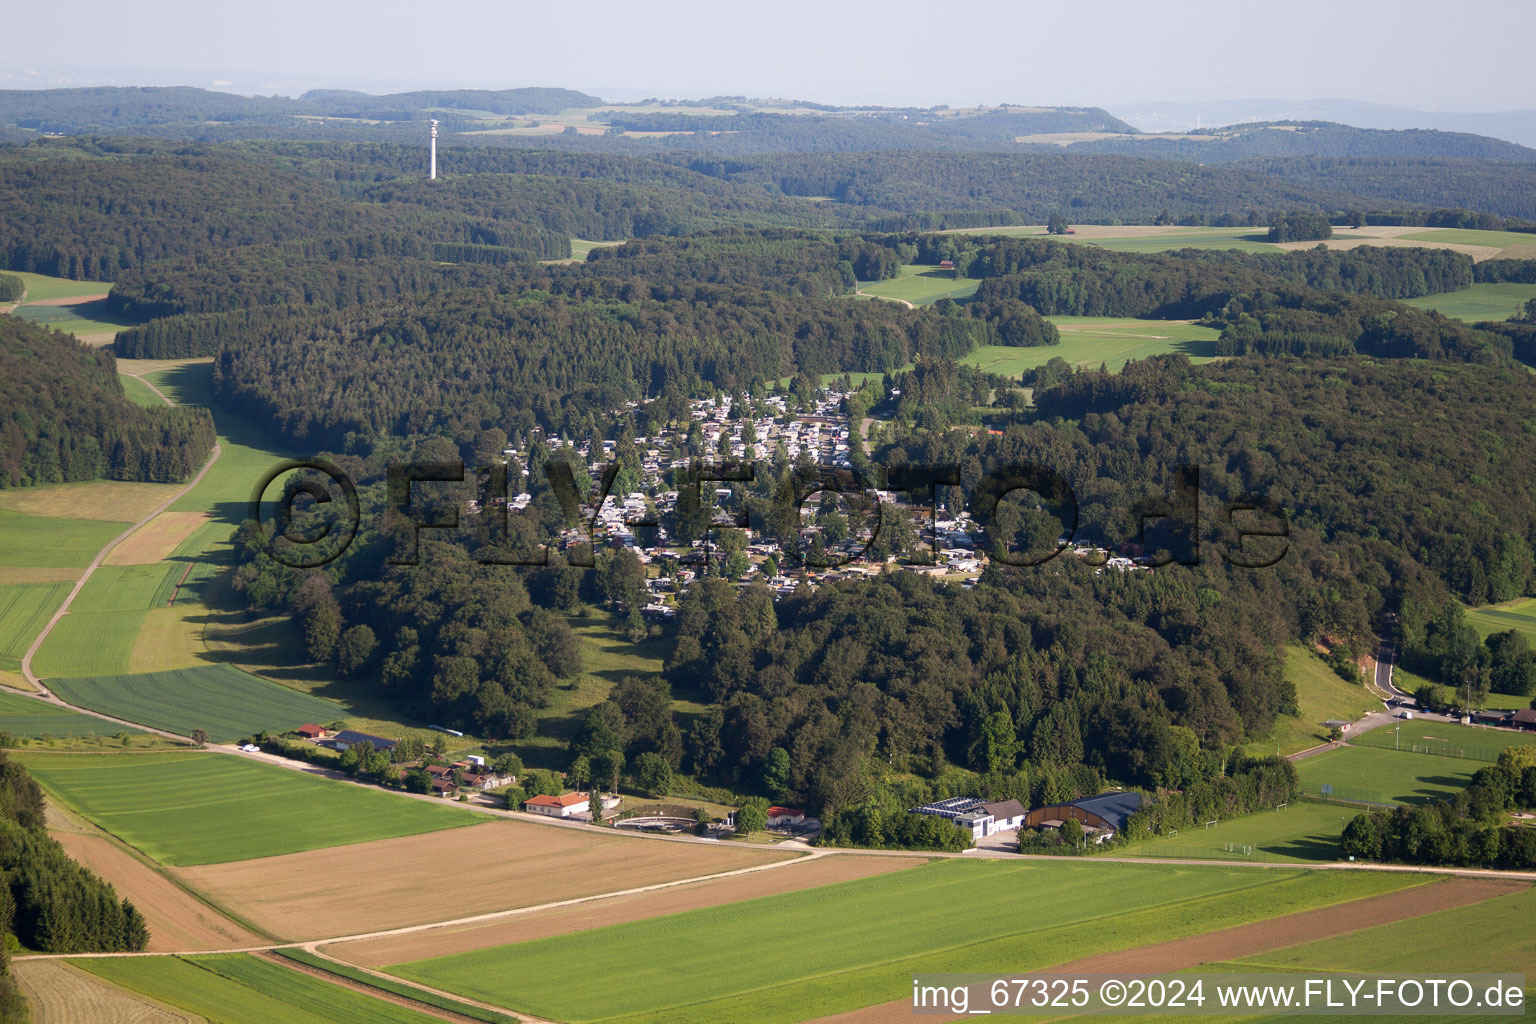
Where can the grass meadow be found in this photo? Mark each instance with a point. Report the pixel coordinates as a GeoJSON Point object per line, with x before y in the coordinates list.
{"type": "Point", "coordinates": [1375, 775]}
{"type": "Point", "coordinates": [24, 611]}
{"type": "Point", "coordinates": [97, 635]}
{"type": "Point", "coordinates": [1091, 341]}
{"type": "Point", "coordinates": [1322, 695]}
{"type": "Point", "coordinates": [922, 285]}
{"type": "Point", "coordinates": [836, 948]}
{"type": "Point", "coordinates": [237, 988]}
{"type": "Point", "coordinates": [1519, 615]}
{"type": "Point", "coordinates": [1487, 301]}
{"type": "Point", "coordinates": [187, 808]}
{"type": "Point", "coordinates": [41, 287]}
{"type": "Point", "coordinates": [1472, 236]}
{"type": "Point", "coordinates": [29, 540]}
{"type": "Point", "coordinates": [225, 702]}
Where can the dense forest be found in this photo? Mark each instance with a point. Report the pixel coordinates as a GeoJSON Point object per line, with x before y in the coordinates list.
{"type": "Point", "coordinates": [68, 419]}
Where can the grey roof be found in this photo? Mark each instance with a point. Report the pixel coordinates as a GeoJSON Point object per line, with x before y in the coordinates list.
{"type": "Point", "coordinates": [1115, 808]}
{"type": "Point", "coordinates": [1004, 809]}
{"type": "Point", "coordinates": [379, 742]}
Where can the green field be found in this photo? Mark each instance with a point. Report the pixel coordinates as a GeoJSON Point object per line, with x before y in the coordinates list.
{"type": "Point", "coordinates": [1519, 615]}
{"type": "Point", "coordinates": [922, 285]}
{"type": "Point", "coordinates": [1091, 341]}
{"type": "Point", "coordinates": [1322, 696]}
{"type": "Point", "coordinates": [398, 988]}
{"type": "Point", "coordinates": [139, 393]}
{"type": "Point", "coordinates": [41, 287]}
{"type": "Point", "coordinates": [24, 611]}
{"type": "Point", "coordinates": [237, 988]}
{"type": "Point", "coordinates": [1302, 832]}
{"type": "Point", "coordinates": [1488, 301]}
{"type": "Point", "coordinates": [97, 635]}
{"type": "Point", "coordinates": [78, 318]}
{"type": "Point", "coordinates": [27, 540]}
{"type": "Point", "coordinates": [24, 716]}
{"type": "Point", "coordinates": [835, 948]}
{"type": "Point", "coordinates": [188, 808]}
{"type": "Point", "coordinates": [1376, 775]}
{"type": "Point", "coordinates": [1472, 236]}
{"type": "Point", "coordinates": [225, 702]}
{"type": "Point", "coordinates": [1487, 936]}
{"type": "Point", "coordinates": [1448, 740]}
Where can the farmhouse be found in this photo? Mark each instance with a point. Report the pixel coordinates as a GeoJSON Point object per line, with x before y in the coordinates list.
{"type": "Point", "coordinates": [347, 739]}
{"type": "Point", "coordinates": [567, 805]}
{"type": "Point", "coordinates": [979, 818]}
{"type": "Point", "coordinates": [785, 816]}
{"type": "Point", "coordinates": [1106, 813]}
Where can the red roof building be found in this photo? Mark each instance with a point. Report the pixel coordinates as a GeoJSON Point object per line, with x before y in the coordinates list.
{"type": "Point", "coordinates": [311, 732]}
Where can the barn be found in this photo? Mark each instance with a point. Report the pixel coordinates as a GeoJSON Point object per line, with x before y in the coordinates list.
{"type": "Point", "coordinates": [1106, 813]}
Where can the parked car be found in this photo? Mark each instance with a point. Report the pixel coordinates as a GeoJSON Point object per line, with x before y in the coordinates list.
{"type": "Point", "coordinates": [1405, 714]}
{"type": "Point", "coordinates": [250, 748]}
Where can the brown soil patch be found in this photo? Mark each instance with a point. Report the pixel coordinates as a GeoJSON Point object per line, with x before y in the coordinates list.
{"type": "Point", "coordinates": [177, 920]}
{"type": "Point", "coordinates": [69, 300]}
{"type": "Point", "coordinates": [540, 924]}
{"type": "Point", "coordinates": [1248, 939]}
{"type": "Point", "coordinates": [61, 994]}
{"type": "Point", "coordinates": [33, 574]}
{"type": "Point", "coordinates": [159, 537]}
{"type": "Point", "coordinates": [500, 865]}
{"type": "Point", "coordinates": [113, 501]}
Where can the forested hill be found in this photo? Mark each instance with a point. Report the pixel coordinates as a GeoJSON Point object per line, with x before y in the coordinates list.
{"type": "Point", "coordinates": [1310, 139]}
{"type": "Point", "coordinates": [68, 419]}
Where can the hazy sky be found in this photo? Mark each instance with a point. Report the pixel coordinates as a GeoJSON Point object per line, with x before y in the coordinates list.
{"type": "Point", "coordinates": [1443, 54]}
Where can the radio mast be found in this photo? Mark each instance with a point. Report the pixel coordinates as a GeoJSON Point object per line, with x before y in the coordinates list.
{"type": "Point", "coordinates": [432, 173]}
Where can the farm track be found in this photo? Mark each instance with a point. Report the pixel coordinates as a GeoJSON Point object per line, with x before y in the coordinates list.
{"type": "Point", "coordinates": [45, 694]}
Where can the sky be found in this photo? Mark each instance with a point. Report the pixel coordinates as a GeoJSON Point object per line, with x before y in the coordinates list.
{"type": "Point", "coordinates": [1470, 55]}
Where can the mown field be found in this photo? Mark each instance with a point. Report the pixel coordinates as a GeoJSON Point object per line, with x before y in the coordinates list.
{"type": "Point", "coordinates": [1486, 301]}
{"type": "Point", "coordinates": [41, 287]}
{"type": "Point", "coordinates": [237, 988]}
{"type": "Point", "coordinates": [1322, 696]}
{"type": "Point", "coordinates": [922, 285]}
{"type": "Point", "coordinates": [1302, 832]}
{"type": "Point", "coordinates": [29, 540]}
{"type": "Point", "coordinates": [1519, 615]}
{"type": "Point", "coordinates": [1375, 775]}
{"type": "Point", "coordinates": [225, 702]}
{"type": "Point", "coordinates": [97, 635]}
{"type": "Point", "coordinates": [1091, 341]}
{"type": "Point", "coordinates": [23, 716]}
{"type": "Point", "coordinates": [1450, 740]}
{"type": "Point", "coordinates": [201, 808]}
{"type": "Point", "coordinates": [840, 947]}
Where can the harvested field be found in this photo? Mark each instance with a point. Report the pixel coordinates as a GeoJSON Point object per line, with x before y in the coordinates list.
{"type": "Point", "coordinates": [159, 537]}
{"type": "Point", "coordinates": [178, 921]}
{"type": "Point", "coordinates": [497, 865]}
{"type": "Point", "coordinates": [1248, 939]}
{"type": "Point", "coordinates": [60, 994]}
{"type": "Point", "coordinates": [544, 923]}
{"type": "Point", "coordinates": [115, 501]}
{"type": "Point", "coordinates": [37, 574]}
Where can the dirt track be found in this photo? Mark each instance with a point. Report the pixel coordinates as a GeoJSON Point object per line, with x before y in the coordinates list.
{"type": "Point", "coordinates": [1245, 940]}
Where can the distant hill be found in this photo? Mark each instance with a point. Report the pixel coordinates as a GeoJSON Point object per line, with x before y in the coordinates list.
{"type": "Point", "coordinates": [1306, 138]}
{"type": "Point", "coordinates": [1510, 125]}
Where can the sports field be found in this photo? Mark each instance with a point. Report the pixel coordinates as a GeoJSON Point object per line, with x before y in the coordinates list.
{"type": "Point", "coordinates": [1322, 696]}
{"type": "Point", "coordinates": [201, 808]}
{"type": "Point", "coordinates": [1487, 301]}
{"type": "Point", "coordinates": [922, 286]}
{"type": "Point", "coordinates": [237, 988]}
{"type": "Point", "coordinates": [1376, 775]}
{"type": "Point", "coordinates": [837, 948]}
{"type": "Point", "coordinates": [1449, 740]}
{"type": "Point", "coordinates": [1302, 832]}
{"type": "Point", "coordinates": [223, 701]}
{"type": "Point", "coordinates": [24, 716]}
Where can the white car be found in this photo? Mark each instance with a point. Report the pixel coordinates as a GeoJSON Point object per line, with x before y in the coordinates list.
{"type": "Point", "coordinates": [250, 748]}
